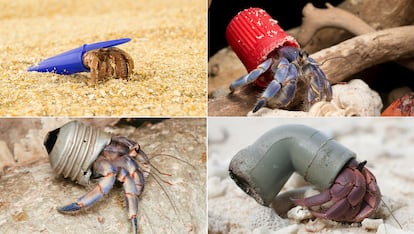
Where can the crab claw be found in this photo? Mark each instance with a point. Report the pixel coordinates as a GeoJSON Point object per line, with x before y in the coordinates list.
{"type": "Point", "coordinates": [70, 62]}
{"type": "Point", "coordinates": [70, 209]}
{"type": "Point", "coordinates": [134, 224]}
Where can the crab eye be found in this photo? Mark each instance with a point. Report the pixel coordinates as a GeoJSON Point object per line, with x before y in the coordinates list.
{"type": "Point", "coordinates": [361, 165]}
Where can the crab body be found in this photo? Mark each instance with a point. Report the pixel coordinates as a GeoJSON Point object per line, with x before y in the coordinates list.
{"type": "Point", "coordinates": [291, 80]}
{"type": "Point", "coordinates": [353, 196]}
{"type": "Point", "coordinates": [108, 62]}
{"type": "Point", "coordinates": [124, 161]}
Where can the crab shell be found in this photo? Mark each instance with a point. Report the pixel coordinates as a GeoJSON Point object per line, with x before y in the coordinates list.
{"type": "Point", "coordinates": [73, 148]}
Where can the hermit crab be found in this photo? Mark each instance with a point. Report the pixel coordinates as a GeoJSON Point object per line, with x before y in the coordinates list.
{"type": "Point", "coordinates": [355, 195]}
{"type": "Point", "coordinates": [108, 62]}
{"type": "Point", "coordinates": [290, 78]}
{"type": "Point", "coordinates": [102, 59]}
{"type": "Point", "coordinates": [350, 191]}
{"type": "Point", "coordinates": [83, 153]}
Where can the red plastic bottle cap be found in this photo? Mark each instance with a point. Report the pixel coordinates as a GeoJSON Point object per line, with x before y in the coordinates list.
{"type": "Point", "coordinates": [253, 34]}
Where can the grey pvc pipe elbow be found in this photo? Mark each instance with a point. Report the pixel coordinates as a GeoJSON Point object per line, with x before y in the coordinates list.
{"type": "Point", "coordinates": [263, 168]}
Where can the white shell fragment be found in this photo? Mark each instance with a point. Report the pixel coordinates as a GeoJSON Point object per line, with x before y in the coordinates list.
{"type": "Point", "coordinates": [371, 224]}
{"type": "Point", "coordinates": [299, 213]}
{"type": "Point", "coordinates": [354, 98]}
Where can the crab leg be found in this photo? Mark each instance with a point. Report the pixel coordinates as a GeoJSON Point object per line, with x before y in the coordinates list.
{"type": "Point", "coordinates": [283, 85]}
{"type": "Point", "coordinates": [102, 167]}
{"type": "Point", "coordinates": [124, 141]}
{"type": "Point", "coordinates": [371, 199]}
{"type": "Point", "coordinates": [315, 200]}
{"type": "Point", "coordinates": [320, 88]}
{"type": "Point", "coordinates": [131, 196]}
{"type": "Point", "coordinates": [133, 171]}
{"type": "Point", "coordinates": [119, 146]}
{"type": "Point", "coordinates": [252, 76]}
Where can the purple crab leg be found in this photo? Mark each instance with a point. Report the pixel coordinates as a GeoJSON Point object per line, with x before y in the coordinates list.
{"type": "Point", "coordinates": [252, 76]}
{"type": "Point", "coordinates": [102, 167]}
{"type": "Point", "coordinates": [289, 52]}
{"type": "Point", "coordinates": [119, 145]}
{"type": "Point", "coordinates": [133, 171]}
{"type": "Point", "coordinates": [131, 196]}
{"type": "Point", "coordinates": [320, 88]}
{"type": "Point", "coordinates": [124, 141]}
{"type": "Point", "coordinates": [315, 200]}
{"type": "Point", "coordinates": [270, 91]}
{"type": "Point", "coordinates": [282, 85]}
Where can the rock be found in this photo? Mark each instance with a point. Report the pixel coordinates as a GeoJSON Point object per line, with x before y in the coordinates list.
{"type": "Point", "coordinates": [371, 224]}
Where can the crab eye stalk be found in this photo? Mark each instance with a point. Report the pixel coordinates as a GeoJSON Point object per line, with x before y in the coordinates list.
{"type": "Point", "coordinates": [361, 165]}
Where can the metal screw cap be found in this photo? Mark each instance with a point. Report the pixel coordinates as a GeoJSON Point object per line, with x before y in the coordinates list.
{"type": "Point", "coordinates": [73, 148]}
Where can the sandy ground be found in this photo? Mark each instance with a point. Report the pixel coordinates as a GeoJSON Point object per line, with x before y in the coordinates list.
{"type": "Point", "coordinates": [30, 193]}
{"type": "Point", "coordinates": [168, 47]}
{"type": "Point", "coordinates": [387, 145]}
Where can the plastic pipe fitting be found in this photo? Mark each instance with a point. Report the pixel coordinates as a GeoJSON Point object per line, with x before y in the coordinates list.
{"type": "Point", "coordinates": [263, 168]}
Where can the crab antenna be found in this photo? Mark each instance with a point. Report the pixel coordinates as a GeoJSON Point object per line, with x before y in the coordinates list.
{"type": "Point", "coordinates": [392, 215]}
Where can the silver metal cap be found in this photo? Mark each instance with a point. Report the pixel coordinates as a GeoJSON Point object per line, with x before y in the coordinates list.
{"type": "Point", "coordinates": [73, 148]}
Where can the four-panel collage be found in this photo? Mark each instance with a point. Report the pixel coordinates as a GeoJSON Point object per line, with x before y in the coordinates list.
{"type": "Point", "coordinates": [206, 117]}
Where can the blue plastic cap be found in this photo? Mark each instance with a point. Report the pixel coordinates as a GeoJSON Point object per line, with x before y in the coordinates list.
{"type": "Point", "coordinates": [70, 62]}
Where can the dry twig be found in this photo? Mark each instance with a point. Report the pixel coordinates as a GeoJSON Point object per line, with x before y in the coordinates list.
{"type": "Point", "coordinates": [365, 51]}
{"type": "Point", "coordinates": [315, 19]}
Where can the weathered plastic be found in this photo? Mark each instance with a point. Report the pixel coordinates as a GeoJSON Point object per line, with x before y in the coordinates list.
{"type": "Point", "coordinates": [263, 168]}
{"type": "Point", "coordinates": [254, 35]}
{"type": "Point", "coordinates": [73, 148]}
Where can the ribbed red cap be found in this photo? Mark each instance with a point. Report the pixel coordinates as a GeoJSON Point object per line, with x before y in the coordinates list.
{"type": "Point", "coordinates": [253, 34]}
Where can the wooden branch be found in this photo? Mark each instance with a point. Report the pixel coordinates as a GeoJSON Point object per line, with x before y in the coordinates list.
{"type": "Point", "coordinates": [315, 19]}
{"type": "Point", "coordinates": [356, 54]}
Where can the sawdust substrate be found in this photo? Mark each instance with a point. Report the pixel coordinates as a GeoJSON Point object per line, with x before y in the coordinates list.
{"type": "Point", "coordinates": [168, 47]}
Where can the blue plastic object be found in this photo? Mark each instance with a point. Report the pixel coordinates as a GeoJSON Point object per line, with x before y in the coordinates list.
{"type": "Point", "coordinates": [70, 62]}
